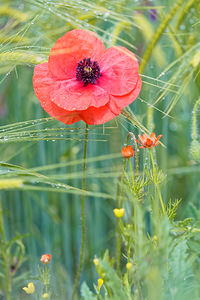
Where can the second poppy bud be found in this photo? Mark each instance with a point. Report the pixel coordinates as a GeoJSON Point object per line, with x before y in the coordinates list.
{"type": "Point", "coordinates": [127, 152]}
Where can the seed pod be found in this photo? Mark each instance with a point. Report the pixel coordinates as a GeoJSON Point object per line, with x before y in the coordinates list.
{"type": "Point", "coordinates": [195, 150]}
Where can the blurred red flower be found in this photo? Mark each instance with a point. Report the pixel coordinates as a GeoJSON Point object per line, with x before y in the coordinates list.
{"type": "Point", "coordinates": [45, 258]}
{"type": "Point", "coordinates": [147, 142]}
{"type": "Point", "coordinates": [127, 152]}
{"type": "Point", "coordinates": [83, 81]}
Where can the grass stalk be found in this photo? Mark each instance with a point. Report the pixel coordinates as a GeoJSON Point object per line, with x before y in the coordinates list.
{"type": "Point", "coordinates": [158, 34]}
{"type": "Point", "coordinates": [4, 254]}
{"type": "Point", "coordinates": [184, 13]}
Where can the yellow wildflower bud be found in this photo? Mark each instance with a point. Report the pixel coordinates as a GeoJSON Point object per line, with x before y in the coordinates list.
{"type": "Point", "coordinates": [30, 289]}
{"type": "Point", "coordinates": [100, 283]}
{"type": "Point", "coordinates": [128, 266]}
{"type": "Point", "coordinates": [119, 212]}
{"type": "Point", "coordinates": [96, 261]}
{"type": "Point", "coordinates": [155, 238]}
{"type": "Point", "coordinates": [45, 296]}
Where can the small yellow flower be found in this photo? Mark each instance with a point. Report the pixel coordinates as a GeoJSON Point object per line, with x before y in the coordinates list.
{"type": "Point", "coordinates": [119, 212]}
{"type": "Point", "coordinates": [100, 283]}
{"type": "Point", "coordinates": [128, 266]}
{"type": "Point", "coordinates": [30, 289]}
{"type": "Point", "coordinates": [96, 261]}
{"type": "Point", "coordinates": [155, 238]}
{"type": "Point", "coordinates": [45, 296]}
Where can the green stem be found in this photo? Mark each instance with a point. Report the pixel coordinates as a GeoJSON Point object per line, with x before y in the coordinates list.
{"type": "Point", "coordinates": [122, 188]}
{"type": "Point", "coordinates": [134, 208]}
{"type": "Point", "coordinates": [46, 279]}
{"type": "Point", "coordinates": [136, 160]}
{"type": "Point", "coordinates": [132, 175]}
{"type": "Point", "coordinates": [4, 254]}
{"type": "Point", "coordinates": [156, 182]}
{"type": "Point", "coordinates": [119, 246]}
{"type": "Point", "coordinates": [118, 233]}
{"type": "Point", "coordinates": [78, 274]}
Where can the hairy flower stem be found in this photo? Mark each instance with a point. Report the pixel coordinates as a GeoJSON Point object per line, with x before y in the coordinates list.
{"type": "Point", "coordinates": [46, 278]}
{"type": "Point", "coordinates": [119, 246]}
{"type": "Point", "coordinates": [4, 254]}
{"type": "Point", "coordinates": [117, 227]}
{"type": "Point", "coordinates": [156, 182]}
{"type": "Point", "coordinates": [78, 274]}
{"type": "Point", "coordinates": [136, 160]}
{"type": "Point", "coordinates": [132, 175]}
{"type": "Point", "coordinates": [122, 188]}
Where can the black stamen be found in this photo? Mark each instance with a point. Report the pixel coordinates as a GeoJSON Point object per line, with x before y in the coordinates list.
{"type": "Point", "coordinates": [88, 71]}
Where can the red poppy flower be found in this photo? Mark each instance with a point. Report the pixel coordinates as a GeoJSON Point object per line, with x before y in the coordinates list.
{"type": "Point", "coordinates": [45, 258]}
{"type": "Point", "coordinates": [83, 81]}
{"type": "Point", "coordinates": [147, 142]}
{"type": "Point", "coordinates": [127, 152]}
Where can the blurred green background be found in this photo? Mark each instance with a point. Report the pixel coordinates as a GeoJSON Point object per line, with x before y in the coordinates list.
{"type": "Point", "coordinates": [164, 35]}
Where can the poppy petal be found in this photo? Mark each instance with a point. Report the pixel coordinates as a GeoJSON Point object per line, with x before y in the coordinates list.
{"type": "Point", "coordinates": [95, 116]}
{"type": "Point", "coordinates": [119, 69]}
{"type": "Point", "coordinates": [156, 141]}
{"type": "Point", "coordinates": [71, 95]}
{"type": "Point", "coordinates": [117, 103]}
{"type": "Point", "coordinates": [42, 84]}
{"type": "Point", "coordinates": [138, 141]}
{"type": "Point", "coordinates": [70, 49]}
{"type": "Point", "coordinates": [143, 138]}
{"type": "Point", "coordinates": [153, 137]}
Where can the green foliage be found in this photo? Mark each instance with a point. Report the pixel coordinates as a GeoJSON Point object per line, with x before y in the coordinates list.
{"type": "Point", "coordinates": [41, 159]}
{"type": "Point", "coordinates": [86, 293]}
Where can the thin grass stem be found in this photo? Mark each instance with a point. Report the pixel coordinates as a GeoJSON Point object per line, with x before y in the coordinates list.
{"type": "Point", "coordinates": [4, 254]}
{"type": "Point", "coordinates": [158, 34]}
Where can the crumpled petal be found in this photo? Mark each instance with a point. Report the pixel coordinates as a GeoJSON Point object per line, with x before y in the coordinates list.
{"type": "Point", "coordinates": [42, 84]}
{"type": "Point", "coordinates": [119, 69]}
{"type": "Point", "coordinates": [95, 116]}
{"type": "Point", "coordinates": [71, 95]}
{"type": "Point", "coordinates": [70, 49]}
{"type": "Point", "coordinates": [117, 103]}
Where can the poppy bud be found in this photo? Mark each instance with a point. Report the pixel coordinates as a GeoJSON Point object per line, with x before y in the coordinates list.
{"type": "Point", "coordinates": [127, 152]}
{"type": "Point", "coordinates": [195, 150]}
{"type": "Point", "coordinates": [45, 258]}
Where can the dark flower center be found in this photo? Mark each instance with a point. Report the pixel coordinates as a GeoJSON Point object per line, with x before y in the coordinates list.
{"type": "Point", "coordinates": [149, 143]}
{"type": "Point", "coordinates": [88, 71]}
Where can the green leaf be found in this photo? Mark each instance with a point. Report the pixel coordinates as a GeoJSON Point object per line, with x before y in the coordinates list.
{"type": "Point", "coordinates": [86, 293]}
